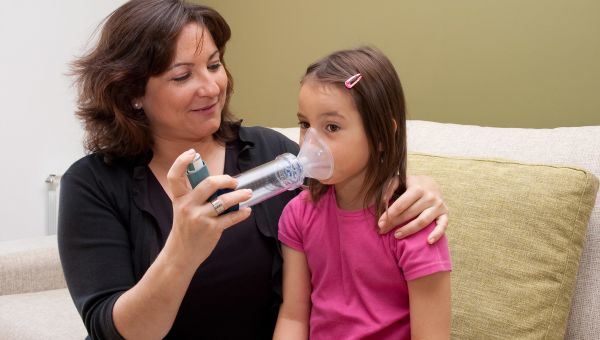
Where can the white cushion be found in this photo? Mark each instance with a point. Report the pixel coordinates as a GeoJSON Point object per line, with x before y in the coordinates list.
{"type": "Point", "coordinates": [292, 133]}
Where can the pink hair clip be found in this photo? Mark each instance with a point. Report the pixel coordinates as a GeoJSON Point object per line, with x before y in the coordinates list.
{"type": "Point", "coordinates": [350, 82]}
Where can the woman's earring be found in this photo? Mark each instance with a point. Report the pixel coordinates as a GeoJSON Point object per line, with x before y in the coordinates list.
{"type": "Point", "coordinates": [137, 105]}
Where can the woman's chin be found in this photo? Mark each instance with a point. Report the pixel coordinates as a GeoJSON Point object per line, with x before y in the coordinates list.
{"type": "Point", "coordinates": [208, 127]}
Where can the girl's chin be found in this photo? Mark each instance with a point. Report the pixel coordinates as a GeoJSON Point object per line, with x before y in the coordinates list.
{"type": "Point", "coordinates": [327, 182]}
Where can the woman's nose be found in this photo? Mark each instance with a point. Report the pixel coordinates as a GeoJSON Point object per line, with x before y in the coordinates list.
{"type": "Point", "coordinates": [208, 87]}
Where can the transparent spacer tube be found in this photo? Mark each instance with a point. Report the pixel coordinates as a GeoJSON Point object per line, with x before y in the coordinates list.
{"type": "Point", "coordinates": [270, 179]}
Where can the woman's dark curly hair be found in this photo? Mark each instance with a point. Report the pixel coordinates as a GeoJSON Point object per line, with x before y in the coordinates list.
{"type": "Point", "coordinates": [137, 41]}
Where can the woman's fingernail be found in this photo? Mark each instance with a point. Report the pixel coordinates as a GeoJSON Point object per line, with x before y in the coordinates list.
{"type": "Point", "coordinates": [398, 234]}
{"type": "Point", "coordinates": [190, 151]}
{"type": "Point", "coordinates": [430, 240]}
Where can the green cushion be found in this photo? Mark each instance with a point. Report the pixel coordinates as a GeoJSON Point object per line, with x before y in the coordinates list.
{"type": "Point", "coordinates": [516, 233]}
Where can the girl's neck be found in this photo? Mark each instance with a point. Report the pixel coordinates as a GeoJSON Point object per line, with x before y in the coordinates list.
{"type": "Point", "coordinates": [350, 195]}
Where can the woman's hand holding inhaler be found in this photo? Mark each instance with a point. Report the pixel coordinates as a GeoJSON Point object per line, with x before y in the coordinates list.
{"type": "Point", "coordinates": [196, 225]}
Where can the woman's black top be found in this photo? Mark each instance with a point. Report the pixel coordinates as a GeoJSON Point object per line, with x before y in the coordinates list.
{"type": "Point", "coordinates": [115, 218]}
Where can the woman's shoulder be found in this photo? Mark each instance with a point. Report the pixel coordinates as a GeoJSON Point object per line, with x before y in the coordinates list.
{"type": "Point", "coordinates": [95, 166]}
{"type": "Point", "coordinates": [85, 164]}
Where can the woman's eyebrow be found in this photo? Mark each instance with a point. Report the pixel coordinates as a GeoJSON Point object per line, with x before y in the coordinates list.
{"type": "Point", "coordinates": [212, 55]}
{"type": "Point", "coordinates": [180, 64]}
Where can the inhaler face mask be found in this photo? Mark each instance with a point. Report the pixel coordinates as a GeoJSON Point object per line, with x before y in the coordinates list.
{"type": "Point", "coordinates": [315, 157]}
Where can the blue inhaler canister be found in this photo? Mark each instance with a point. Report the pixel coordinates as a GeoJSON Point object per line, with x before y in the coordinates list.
{"type": "Point", "coordinates": [197, 171]}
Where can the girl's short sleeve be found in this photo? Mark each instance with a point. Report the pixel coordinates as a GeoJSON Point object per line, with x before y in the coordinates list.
{"type": "Point", "coordinates": [290, 224]}
{"type": "Point", "coordinates": [417, 258]}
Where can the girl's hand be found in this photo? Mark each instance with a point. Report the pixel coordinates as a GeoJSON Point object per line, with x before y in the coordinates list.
{"type": "Point", "coordinates": [422, 203]}
{"type": "Point", "coordinates": [196, 225]}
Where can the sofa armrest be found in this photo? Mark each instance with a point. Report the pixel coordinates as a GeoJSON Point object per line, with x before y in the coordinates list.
{"type": "Point", "coordinates": [30, 265]}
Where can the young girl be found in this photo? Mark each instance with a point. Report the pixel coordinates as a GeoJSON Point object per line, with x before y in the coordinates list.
{"type": "Point", "coordinates": [335, 283]}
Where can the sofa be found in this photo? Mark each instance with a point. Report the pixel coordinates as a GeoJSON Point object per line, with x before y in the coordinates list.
{"type": "Point", "coordinates": [524, 237]}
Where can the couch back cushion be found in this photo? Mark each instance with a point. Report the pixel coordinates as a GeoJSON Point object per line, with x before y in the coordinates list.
{"type": "Point", "coordinates": [516, 236]}
{"type": "Point", "coordinates": [571, 146]}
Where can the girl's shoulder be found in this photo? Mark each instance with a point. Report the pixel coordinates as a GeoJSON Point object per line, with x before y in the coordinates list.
{"type": "Point", "coordinates": [303, 205]}
{"type": "Point", "coordinates": [419, 238]}
{"type": "Point", "coordinates": [302, 201]}
{"type": "Point", "coordinates": [417, 257]}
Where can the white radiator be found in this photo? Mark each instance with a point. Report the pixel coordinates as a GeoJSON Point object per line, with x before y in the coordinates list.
{"type": "Point", "coordinates": [53, 185]}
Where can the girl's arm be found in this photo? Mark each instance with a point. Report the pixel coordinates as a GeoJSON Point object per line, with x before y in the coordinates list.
{"type": "Point", "coordinates": [294, 313]}
{"type": "Point", "coordinates": [430, 306]}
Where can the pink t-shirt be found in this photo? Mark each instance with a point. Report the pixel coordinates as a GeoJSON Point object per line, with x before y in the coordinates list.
{"type": "Point", "coordinates": [358, 277]}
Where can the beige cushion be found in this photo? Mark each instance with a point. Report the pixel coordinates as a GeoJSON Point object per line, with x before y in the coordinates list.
{"type": "Point", "coordinates": [50, 314]}
{"type": "Point", "coordinates": [575, 146]}
{"type": "Point", "coordinates": [516, 239]}
{"type": "Point", "coordinates": [30, 265]}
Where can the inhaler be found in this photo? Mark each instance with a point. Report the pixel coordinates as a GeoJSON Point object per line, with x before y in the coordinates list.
{"type": "Point", "coordinates": [285, 172]}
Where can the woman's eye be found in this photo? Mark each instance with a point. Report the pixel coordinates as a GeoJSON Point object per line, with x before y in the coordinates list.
{"type": "Point", "coordinates": [182, 77]}
{"type": "Point", "coordinates": [332, 127]}
{"type": "Point", "coordinates": [303, 125]}
{"type": "Point", "coordinates": [214, 66]}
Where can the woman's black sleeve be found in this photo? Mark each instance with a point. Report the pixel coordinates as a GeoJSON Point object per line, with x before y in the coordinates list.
{"type": "Point", "coordinates": [94, 246]}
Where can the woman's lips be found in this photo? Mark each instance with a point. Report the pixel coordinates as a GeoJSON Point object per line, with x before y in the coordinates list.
{"type": "Point", "coordinates": [206, 109]}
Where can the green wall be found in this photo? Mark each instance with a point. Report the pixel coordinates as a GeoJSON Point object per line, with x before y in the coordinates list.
{"type": "Point", "coordinates": [510, 63]}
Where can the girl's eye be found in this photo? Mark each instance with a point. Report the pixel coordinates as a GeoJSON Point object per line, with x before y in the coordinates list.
{"type": "Point", "coordinates": [182, 77]}
{"type": "Point", "coordinates": [332, 127]}
{"type": "Point", "coordinates": [303, 125]}
{"type": "Point", "coordinates": [214, 66]}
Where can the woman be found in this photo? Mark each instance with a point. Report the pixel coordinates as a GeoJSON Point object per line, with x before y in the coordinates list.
{"type": "Point", "coordinates": [144, 255]}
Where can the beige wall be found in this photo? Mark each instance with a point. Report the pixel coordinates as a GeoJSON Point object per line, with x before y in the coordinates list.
{"type": "Point", "coordinates": [511, 63]}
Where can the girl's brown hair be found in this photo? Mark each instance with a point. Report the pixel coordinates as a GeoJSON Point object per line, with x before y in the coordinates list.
{"type": "Point", "coordinates": [380, 101]}
{"type": "Point", "coordinates": [137, 41]}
